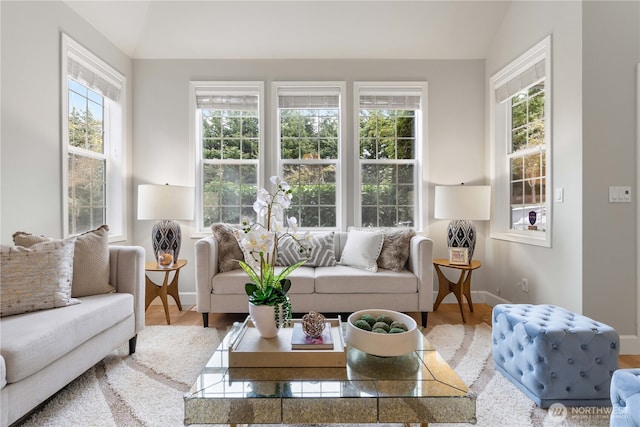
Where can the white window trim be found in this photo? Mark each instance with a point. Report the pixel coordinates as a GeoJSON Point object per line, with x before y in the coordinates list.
{"type": "Point", "coordinates": [500, 221]}
{"type": "Point", "coordinates": [314, 88]}
{"type": "Point", "coordinates": [421, 170]}
{"type": "Point", "coordinates": [116, 188]}
{"type": "Point", "coordinates": [231, 87]}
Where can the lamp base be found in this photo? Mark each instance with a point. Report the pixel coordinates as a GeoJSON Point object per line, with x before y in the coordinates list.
{"type": "Point", "coordinates": [167, 236]}
{"type": "Point", "coordinates": [462, 234]}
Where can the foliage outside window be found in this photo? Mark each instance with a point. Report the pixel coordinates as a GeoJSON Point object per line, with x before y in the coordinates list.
{"type": "Point", "coordinates": [309, 122]}
{"type": "Point", "coordinates": [87, 161]}
{"type": "Point", "coordinates": [229, 139]}
{"type": "Point", "coordinates": [520, 112]}
{"type": "Point", "coordinates": [528, 160]}
{"type": "Point", "coordinates": [389, 140]}
{"type": "Point", "coordinates": [93, 123]}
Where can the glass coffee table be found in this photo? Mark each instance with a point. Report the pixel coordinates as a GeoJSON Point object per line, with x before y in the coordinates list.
{"type": "Point", "coordinates": [419, 387]}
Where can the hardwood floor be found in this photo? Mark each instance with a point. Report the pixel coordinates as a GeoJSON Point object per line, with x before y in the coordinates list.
{"type": "Point", "coordinates": [446, 314]}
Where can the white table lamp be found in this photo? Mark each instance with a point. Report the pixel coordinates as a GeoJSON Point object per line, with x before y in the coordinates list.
{"type": "Point", "coordinates": [165, 203]}
{"type": "Point", "coordinates": [462, 204]}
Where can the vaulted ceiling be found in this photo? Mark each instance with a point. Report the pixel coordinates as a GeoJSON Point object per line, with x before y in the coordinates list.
{"type": "Point", "coordinates": [209, 29]}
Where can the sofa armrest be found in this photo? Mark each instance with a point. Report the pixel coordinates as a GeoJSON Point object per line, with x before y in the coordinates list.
{"type": "Point", "coordinates": [126, 265]}
{"type": "Point", "coordinates": [421, 264]}
{"type": "Point", "coordinates": [206, 251]}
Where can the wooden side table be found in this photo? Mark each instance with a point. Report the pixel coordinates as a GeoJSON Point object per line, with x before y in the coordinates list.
{"type": "Point", "coordinates": [459, 288]}
{"type": "Point", "coordinates": [153, 290]}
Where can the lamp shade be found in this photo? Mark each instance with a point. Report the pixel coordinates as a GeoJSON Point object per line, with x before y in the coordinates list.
{"type": "Point", "coordinates": [468, 202]}
{"type": "Point", "coordinates": [165, 202]}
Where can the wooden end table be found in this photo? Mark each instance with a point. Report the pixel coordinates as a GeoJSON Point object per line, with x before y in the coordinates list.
{"type": "Point", "coordinates": [459, 288]}
{"type": "Point", "coordinates": [153, 290]}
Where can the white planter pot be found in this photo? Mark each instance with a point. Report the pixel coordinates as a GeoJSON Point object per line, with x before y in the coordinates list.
{"type": "Point", "coordinates": [263, 317]}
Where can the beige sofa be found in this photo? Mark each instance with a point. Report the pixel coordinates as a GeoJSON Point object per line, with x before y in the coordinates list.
{"type": "Point", "coordinates": [335, 289]}
{"type": "Point", "coordinates": [42, 351]}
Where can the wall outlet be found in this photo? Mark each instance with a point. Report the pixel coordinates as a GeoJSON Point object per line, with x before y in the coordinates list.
{"type": "Point", "coordinates": [524, 283]}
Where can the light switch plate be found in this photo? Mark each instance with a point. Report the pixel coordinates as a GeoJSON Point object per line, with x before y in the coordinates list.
{"type": "Point", "coordinates": [619, 194]}
{"type": "Point", "coordinates": [559, 195]}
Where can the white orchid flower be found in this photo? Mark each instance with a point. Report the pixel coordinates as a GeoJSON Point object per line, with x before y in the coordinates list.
{"type": "Point", "coordinates": [293, 223]}
{"type": "Point", "coordinates": [275, 180]}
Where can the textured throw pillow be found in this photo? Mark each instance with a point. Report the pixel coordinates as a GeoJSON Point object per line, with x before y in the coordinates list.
{"type": "Point", "coordinates": [228, 249]}
{"type": "Point", "coordinates": [362, 249]}
{"type": "Point", "coordinates": [321, 255]}
{"type": "Point", "coordinates": [90, 260]}
{"type": "Point", "coordinates": [395, 249]}
{"type": "Point", "coordinates": [36, 278]}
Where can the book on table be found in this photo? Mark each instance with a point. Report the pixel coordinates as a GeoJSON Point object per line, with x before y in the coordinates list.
{"type": "Point", "coordinates": [300, 341]}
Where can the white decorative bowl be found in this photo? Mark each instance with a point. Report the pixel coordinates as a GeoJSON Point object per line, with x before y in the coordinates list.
{"type": "Point", "coordinates": [385, 345]}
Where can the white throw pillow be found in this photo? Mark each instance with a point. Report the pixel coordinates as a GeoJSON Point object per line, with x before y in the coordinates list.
{"type": "Point", "coordinates": [362, 249]}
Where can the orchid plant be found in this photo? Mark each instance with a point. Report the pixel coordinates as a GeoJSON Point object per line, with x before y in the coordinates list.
{"type": "Point", "coordinates": [261, 240]}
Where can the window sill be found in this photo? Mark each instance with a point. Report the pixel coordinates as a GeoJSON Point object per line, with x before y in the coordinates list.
{"type": "Point", "coordinates": [543, 240]}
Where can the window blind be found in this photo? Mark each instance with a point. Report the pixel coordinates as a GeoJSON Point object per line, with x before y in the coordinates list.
{"type": "Point", "coordinates": [308, 101]}
{"type": "Point", "coordinates": [82, 69]}
{"type": "Point", "coordinates": [520, 82]}
{"type": "Point", "coordinates": [227, 102]}
{"type": "Point", "coordinates": [390, 102]}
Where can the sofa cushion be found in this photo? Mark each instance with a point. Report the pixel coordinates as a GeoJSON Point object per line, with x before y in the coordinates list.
{"type": "Point", "coordinates": [362, 249]}
{"type": "Point", "coordinates": [90, 260]}
{"type": "Point", "coordinates": [349, 280]}
{"type": "Point", "coordinates": [232, 282]}
{"type": "Point", "coordinates": [395, 249]}
{"type": "Point", "coordinates": [228, 249]}
{"type": "Point", "coordinates": [321, 245]}
{"type": "Point", "coordinates": [36, 278]}
{"type": "Point", "coordinates": [32, 341]}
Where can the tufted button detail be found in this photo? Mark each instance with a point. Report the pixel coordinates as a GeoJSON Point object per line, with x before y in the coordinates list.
{"type": "Point", "coordinates": [613, 345]}
{"type": "Point", "coordinates": [553, 375]}
{"type": "Point", "coordinates": [554, 346]}
{"type": "Point", "coordinates": [520, 347]}
{"type": "Point", "coordinates": [568, 389]}
{"type": "Point", "coordinates": [622, 403]}
{"type": "Point", "coordinates": [598, 361]}
{"type": "Point", "coordinates": [583, 346]}
{"type": "Point", "coordinates": [570, 361]}
{"type": "Point", "coordinates": [582, 374]}
{"type": "Point", "coordinates": [597, 388]}
{"type": "Point", "coordinates": [531, 368]}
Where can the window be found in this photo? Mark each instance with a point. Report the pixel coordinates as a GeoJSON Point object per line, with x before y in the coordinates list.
{"type": "Point", "coordinates": [93, 123]}
{"type": "Point", "coordinates": [228, 123]}
{"type": "Point", "coordinates": [309, 131]}
{"type": "Point", "coordinates": [390, 144]}
{"type": "Point", "coordinates": [520, 117]}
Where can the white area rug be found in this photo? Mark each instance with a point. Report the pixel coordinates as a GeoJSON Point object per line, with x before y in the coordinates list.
{"type": "Point", "coordinates": [147, 389]}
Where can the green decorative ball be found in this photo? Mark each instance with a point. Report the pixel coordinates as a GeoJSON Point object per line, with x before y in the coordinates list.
{"type": "Point", "coordinates": [386, 319]}
{"type": "Point", "coordinates": [362, 324]}
{"type": "Point", "coordinates": [379, 331]}
{"type": "Point", "coordinates": [400, 325]}
{"type": "Point", "coordinates": [381, 325]}
{"type": "Point", "coordinates": [396, 331]}
{"type": "Point", "coordinates": [368, 318]}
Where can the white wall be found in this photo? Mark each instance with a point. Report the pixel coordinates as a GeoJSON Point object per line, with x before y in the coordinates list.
{"type": "Point", "coordinates": [30, 150]}
{"type": "Point", "coordinates": [554, 274]}
{"type": "Point", "coordinates": [611, 52]}
{"type": "Point", "coordinates": [162, 151]}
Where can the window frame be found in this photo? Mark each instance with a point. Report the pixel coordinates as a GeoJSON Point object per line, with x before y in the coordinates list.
{"type": "Point", "coordinates": [195, 127]}
{"type": "Point", "coordinates": [500, 130]}
{"type": "Point", "coordinates": [421, 205]}
{"type": "Point", "coordinates": [304, 88]}
{"type": "Point", "coordinates": [114, 137]}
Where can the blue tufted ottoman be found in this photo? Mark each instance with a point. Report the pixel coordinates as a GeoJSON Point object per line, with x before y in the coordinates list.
{"type": "Point", "coordinates": [554, 355]}
{"type": "Point", "coordinates": [625, 397]}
